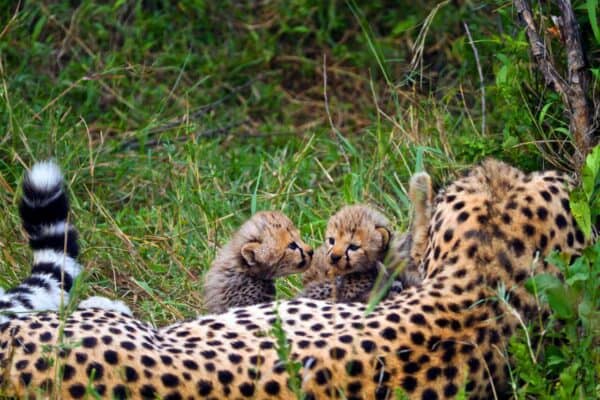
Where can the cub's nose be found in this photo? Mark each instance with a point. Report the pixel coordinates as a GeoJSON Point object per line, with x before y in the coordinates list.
{"type": "Point", "coordinates": [310, 252]}
{"type": "Point", "coordinates": [335, 258]}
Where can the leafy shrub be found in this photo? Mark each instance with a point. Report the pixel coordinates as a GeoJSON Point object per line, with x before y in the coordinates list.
{"type": "Point", "coordinates": [566, 362]}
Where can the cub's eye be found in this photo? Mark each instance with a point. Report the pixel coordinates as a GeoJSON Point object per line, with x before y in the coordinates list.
{"type": "Point", "coordinates": [331, 241]}
{"type": "Point", "coordinates": [293, 246]}
{"type": "Point", "coordinates": [353, 247]}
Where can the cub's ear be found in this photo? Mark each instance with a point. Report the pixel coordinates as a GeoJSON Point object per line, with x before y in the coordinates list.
{"type": "Point", "coordinates": [249, 253]}
{"type": "Point", "coordinates": [385, 236]}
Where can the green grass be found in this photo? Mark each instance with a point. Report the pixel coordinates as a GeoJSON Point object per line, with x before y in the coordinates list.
{"type": "Point", "coordinates": [171, 132]}
{"type": "Point", "coordinates": [173, 123]}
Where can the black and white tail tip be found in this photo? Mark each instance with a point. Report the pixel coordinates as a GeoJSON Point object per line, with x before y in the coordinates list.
{"type": "Point", "coordinates": [44, 211]}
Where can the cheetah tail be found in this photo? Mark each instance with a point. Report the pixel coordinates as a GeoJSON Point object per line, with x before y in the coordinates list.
{"type": "Point", "coordinates": [44, 210]}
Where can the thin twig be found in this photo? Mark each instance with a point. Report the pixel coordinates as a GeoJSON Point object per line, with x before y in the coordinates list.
{"type": "Point", "coordinates": [416, 63]}
{"type": "Point", "coordinates": [336, 132]}
{"type": "Point", "coordinates": [198, 113]}
{"type": "Point", "coordinates": [135, 144]}
{"type": "Point", "coordinates": [481, 84]}
{"type": "Point", "coordinates": [72, 86]}
{"type": "Point", "coordinates": [8, 25]}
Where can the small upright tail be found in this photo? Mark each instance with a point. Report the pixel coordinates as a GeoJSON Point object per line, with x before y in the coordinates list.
{"type": "Point", "coordinates": [44, 211]}
{"type": "Point", "coordinates": [421, 195]}
{"type": "Point", "coordinates": [408, 249]}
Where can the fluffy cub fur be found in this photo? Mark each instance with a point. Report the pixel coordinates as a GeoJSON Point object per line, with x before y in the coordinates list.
{"type": "Point", "coordinates": [325, 279]}
{"type": "Point", "coordinates": [357, 240]}
{"type": "Point", "coordinates": [267, 246]}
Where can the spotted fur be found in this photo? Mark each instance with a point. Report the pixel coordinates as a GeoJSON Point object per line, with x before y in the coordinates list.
{"type": "Point", "coordinates": [491, 229]}
{"type": "Point", "coordinates": [267, 246]}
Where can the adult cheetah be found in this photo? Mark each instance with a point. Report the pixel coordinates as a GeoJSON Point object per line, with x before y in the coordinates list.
{"type": "Point", "coordinates": [490, 229]}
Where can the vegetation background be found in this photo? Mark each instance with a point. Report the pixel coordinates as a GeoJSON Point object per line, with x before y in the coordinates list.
{"type": "Point", "coordinates": [175, 120]}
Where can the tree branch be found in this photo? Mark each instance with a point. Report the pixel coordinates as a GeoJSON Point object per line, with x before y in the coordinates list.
{"type": "Point", "coordinates": [578, 81]}
{"type": "Point", "coordinates": [540, 52]}
{"type": "Point", "coordinates": [574, 89]}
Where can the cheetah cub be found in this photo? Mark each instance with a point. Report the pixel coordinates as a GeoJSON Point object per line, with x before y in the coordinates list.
{"type": "Point", "coordinates": [402, 259]}
{"type": "Point", "coordinates": [358, 238]}
{"type": "Point", "coordinates": [267, 246]}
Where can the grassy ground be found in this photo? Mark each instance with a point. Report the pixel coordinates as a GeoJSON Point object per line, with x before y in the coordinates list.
{"type": "Point", "coordinates": [175, 123]}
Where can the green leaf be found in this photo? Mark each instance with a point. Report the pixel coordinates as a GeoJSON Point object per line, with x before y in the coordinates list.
{"type": "Point", "coordinates": [503, 58]}
{"type": "Point", "coordinates": [568, 378]}
{"type": "Point", "coordinates": [586, 311]}
{"type": "Point", "coordinates": [563, 130]}
{"type": "Point", "coordinates": [589, 174]}
{"type": "Point", "coordinates": [405, 24]}
{"type": "Point", "coordinates": [544, 112]}
{"type": "Point", "coordinates": [38, 28]}
{"type": "Point", "coordinates": [580, 266]}
{"type": "Point", "coordinates": [592, 7]}
{"type": "Point", "coordinates": [577, 278]}
{"type": "Point", "coordinates": [560, 302]}
{"type": "Point", "coordinates": [555, 356]}
{"type": "Point", "coordinates": [118, 4]}
{"type": "Point", "coordinates": [595, 207]}
{"type": "Point", "coordinates": [542, 282]}
{"type": "Point", "coordinates": [502, 75]}
{"type": "Point", "coordinates": [559, 260]}
{"type": "Point", "coordinates": [581, 212]}
{"type": "Point", "coordinates": [400, 394]}
{"type": "Point", "coordinates": [145, 286]}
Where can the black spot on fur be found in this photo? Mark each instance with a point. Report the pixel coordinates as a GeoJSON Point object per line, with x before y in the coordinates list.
{"type": "Point", "coordinates": [518, 247]}
{"type": "Point", "coordinates": [131, 374]}
{"type": "Point", "coordinates": [337, 353]}
{"type": "Point", "coordinates": [272, 388]}
{"type": "Point", "coordinates": [388, 333]}
{"type": "Point", "coordinates": [417, 338]}
{"type": "Point", "coordinates": [111, 357]}
{"type": "Point", "coordinates": [561, 221]}
{"type": "Point", "coordinates": [409, 384]}
{"type": "Point", "coordinates": [247, 389]}
{"type": "Point", "coordinates": [204, 387]}
{"type": "Point", "coordinates": [368, 345]}
{"type": "Point", "coordinates": [148, 392]}
{"type": "Point", "coordinates": [95, 370]}
{"type": "Point", "coordinates": [170, 380]}
{"type": "Point", "coordinates": [77, 391]}
{"type": "Point", "coordinates": [67, 372]}
{"type": "Point", "coordinates": [429, 394]}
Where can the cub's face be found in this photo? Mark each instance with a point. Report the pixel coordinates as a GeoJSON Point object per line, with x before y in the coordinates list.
{"type": "Point", "coordinates": [277, 250]}
{"type": "Point", "coordinates": [357, 237]}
